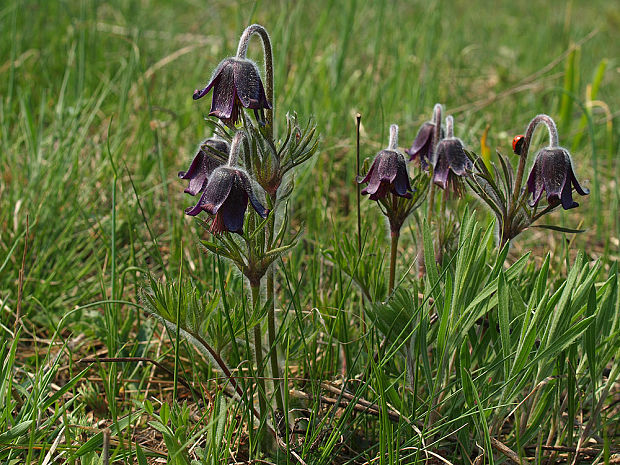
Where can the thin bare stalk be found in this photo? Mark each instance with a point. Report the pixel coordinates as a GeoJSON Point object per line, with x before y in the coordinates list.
{"type": "Point", "coordinates": [358, 122]}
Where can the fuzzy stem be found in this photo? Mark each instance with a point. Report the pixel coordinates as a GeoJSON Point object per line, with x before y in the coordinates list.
{"type": "Point", "coordinates": [440, 227]}
{"type": "Point", "coordinates": [437, 110]}
{"type": "Point", "coordinates": [436, 136]}
{"type": "Point", "coordinates": [235, 146]}
{"type": "Point", "coordinates": [271, 314]}
{"type": "Point", "coordinates": [258, 347]}
{"type": "Point", "coordinates": [271, 329]}
{"type": "Point", "coordinates": [449, 126]}
{"type": "Point", "coordinates": [431, 203]}
{"type": "Point", "coordinates": [393, 145]}
{"type": "Point", "coordinates": [242, 51]}
{"type": "Point", "coordinates": [553, 142]}
{"type": "Point", "coordinates": [436, 130]}
{"type": "Point", "coordinates": [393, 250]}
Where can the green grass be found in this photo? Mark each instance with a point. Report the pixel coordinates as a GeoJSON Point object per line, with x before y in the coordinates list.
{"type": "Point", "coordinates": [96, 118]}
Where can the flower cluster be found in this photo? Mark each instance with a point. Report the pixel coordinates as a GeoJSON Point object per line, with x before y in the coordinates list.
{"type": "Point", "coordinates": [243, 163]}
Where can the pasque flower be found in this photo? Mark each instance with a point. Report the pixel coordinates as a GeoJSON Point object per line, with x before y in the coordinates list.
{"type": "Point", "coordinates": [226, 195]}
{"type": "Point", "coordinates": [208, 158]}
{"type": "Point", "coordinates": [422, 146]}
{"type": "Point", "coordinates": [450, 160]}
{"type": "Point", "coordinates": [427, 138]}
{"type": "Point", "coordinates": [553, 173]}
{"type": "Point", "coordinates": [388, 172]}
{"type": "Point", "coordinates": [236, 83]}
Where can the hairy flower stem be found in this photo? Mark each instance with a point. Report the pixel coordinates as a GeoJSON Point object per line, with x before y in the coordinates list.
{"type": "Point", "coordinates": [235, 146]}
{"type": "Point", "coordinates": [437, 110]}
{"type": "Point", "coordinates": [395, 235]}
{"type": "Point", "coordinates": [393, 145]}
{"type": "Point", "coordinates": [449, 126]}
{"type": "Point", "coordinates": [271, 313]}
{"type": "Point", "coordinates": [258, 347]}
{"type": "Point", "coordinates": [440, 231]}
{"type": "Point", "coordinates": [553, 142]}
{"type": "Point", "coordinates": [242, 51]}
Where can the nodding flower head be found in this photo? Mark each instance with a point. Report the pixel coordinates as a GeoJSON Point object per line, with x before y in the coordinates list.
{"type": "Point", "coordinates": [553, 173]}
{"type": "Point", "coordinates": [427, 138]}
{"type": "Point", "coordinates": [226, 196]}
{"type": "Point", "coordinates": [236, 83]}
{"type": "Point", "coordinates": [388, 172]}
{"type": "Point", "coordinates": [212, 153]}
{"type": "Point", "coordinates": [422, 147]}
{"type": "Point", "coordinates": [450, 161]}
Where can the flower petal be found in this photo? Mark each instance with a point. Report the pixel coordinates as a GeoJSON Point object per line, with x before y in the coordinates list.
{"type": "Point", "coordinates": [372, 178]}
{"type": "Point", "coordinates": [422, 143]}
{"type": "Point", "coordinates": [245, 184]}
{"type": "Point", "coordinates": [206, 160]}
{"type": "Point", "coordinates": [576, 185]}
{"type": "Point", "coordinates": [388, 165]}
{"type": "Point", "coordinates": [535, 185]}
{"type": "Point", "coordinates": [248, 85]}
{"type": "Point", "coordinates": [555, 164]}
{"type": "Point", "coordinates": [224, 94]}
{"type": "Point", "coordinates": [567, 197]}
{"type": "Point", "coordinates": [233, 210]}
{"type": "Point", "coordinates": [457, 159]}
{"type": "Point", "coordinates": [441, 166]}
{"type": "Point", "coordinates": [382, 190]}
{"type": "Point", "coordinates": [214, 80]}
{"type": "Point", "coordinates": [215, 193]}
{"type": "Point", "coordinates": [401, 183]}
{"type": "Point", "coordinates": [372, 169]}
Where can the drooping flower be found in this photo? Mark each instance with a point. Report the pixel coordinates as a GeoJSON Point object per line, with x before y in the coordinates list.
{"type": "Point", "coordinates": [450, 160]}
{"type": "Point", "coordinates": [553, 173]}
{"type": "Point", "coordinates": [226, 196]}
{"type": "Point", "coordinates": [422, 147]}
{"type": "Point", "coordinates": [212, 153]}
{"type": "Point", "coordinates": [388, 172]}
{"type": "Point", "coordinates": [236, 83]}
{"type": "Point", "coordinates": [427, 138]}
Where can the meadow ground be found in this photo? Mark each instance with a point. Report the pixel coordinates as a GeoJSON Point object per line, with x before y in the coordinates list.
{"type": "Point", "coordinates": [477, 362]}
